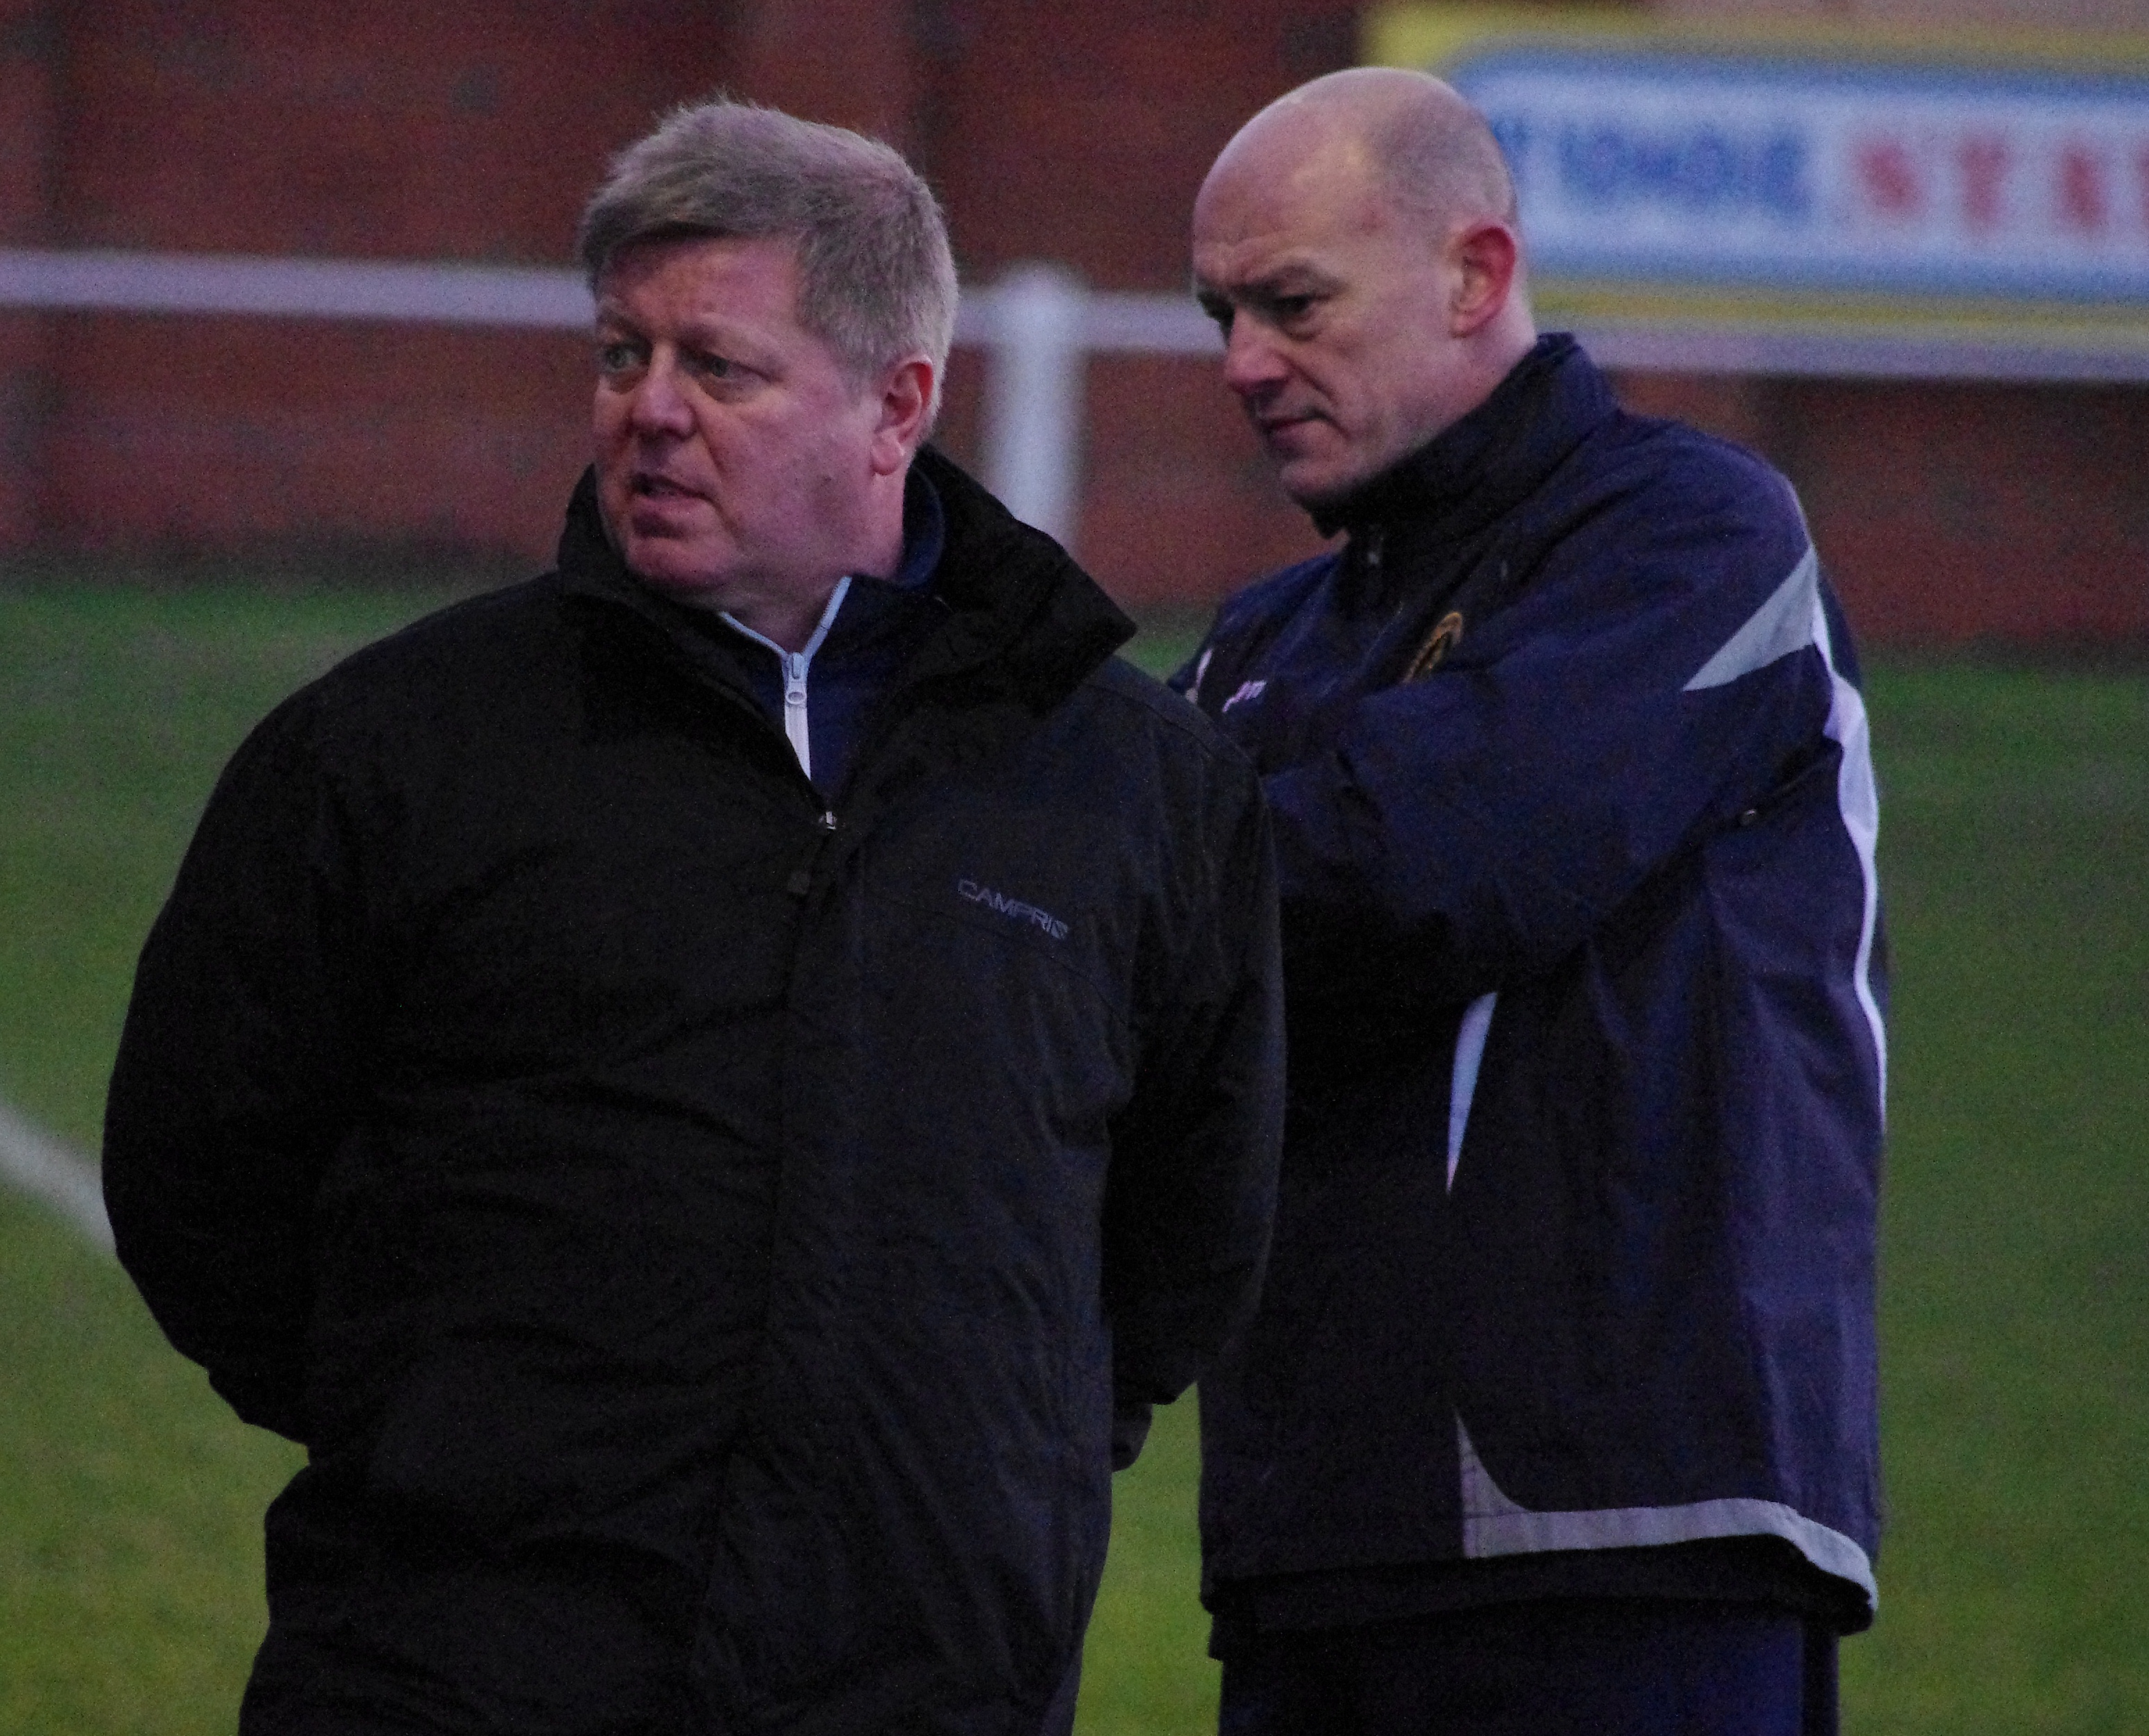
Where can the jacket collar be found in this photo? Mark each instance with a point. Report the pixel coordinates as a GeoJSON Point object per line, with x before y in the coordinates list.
{"type": "Point", "coordinates": [1481, 467]}
{"type": "Point", "coordinates": [1016, 599]}
{"type": "Point", "coordinates": [1023, 620]}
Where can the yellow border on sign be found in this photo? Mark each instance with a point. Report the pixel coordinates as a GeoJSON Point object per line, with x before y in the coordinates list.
{"type": "Point", "coordinates": [1429, 38]}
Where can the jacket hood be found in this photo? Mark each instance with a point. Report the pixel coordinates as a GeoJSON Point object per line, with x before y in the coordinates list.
{"type": "Point", "coordinates": [1023, 617]}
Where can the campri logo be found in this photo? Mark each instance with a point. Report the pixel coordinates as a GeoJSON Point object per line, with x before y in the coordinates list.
{"type": "Point", "coordinates": [1015, 907]}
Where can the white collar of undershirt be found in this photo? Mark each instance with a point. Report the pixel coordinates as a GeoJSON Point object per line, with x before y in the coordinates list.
{"type": "Point", "coordinates": [794, 665]}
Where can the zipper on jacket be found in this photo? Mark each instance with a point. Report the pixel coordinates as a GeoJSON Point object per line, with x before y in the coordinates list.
{"type": "Point", "coordinates": [801, 881]}
{"type": "Point", "coordinates": [793, 664]}
{"type": "Point", "coordinates": [795, 730]}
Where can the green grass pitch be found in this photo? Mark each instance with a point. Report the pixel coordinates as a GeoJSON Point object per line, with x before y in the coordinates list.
{"type": "Point", "coordinates": [2015, 856]}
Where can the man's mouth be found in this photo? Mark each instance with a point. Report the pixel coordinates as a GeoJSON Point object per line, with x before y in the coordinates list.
{"type": "Point", "coordinates": [646, 486]}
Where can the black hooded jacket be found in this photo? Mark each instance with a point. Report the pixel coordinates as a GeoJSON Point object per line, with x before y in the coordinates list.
{"type": "Point", "coordinates": [702, 1227]}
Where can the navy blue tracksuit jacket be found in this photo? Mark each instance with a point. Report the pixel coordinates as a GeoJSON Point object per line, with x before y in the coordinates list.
{"type": "Point", "coordinates": [1572, 1289]}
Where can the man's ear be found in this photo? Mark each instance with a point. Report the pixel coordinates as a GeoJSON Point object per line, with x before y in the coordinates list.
{"type": "Point", "coordinates": [906, 401]}
{"type": "Point", "coordinates": [1484, 256]}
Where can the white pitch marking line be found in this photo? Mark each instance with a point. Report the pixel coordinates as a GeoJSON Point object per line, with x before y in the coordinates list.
{"type": "Point", "coordinates": [43, 1168]}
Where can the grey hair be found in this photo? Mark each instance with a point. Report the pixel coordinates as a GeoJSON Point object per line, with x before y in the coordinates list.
{"type": "Point", "coordinates": [876, 279]}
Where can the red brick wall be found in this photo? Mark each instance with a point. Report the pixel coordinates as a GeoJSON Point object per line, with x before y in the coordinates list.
{"type": "Point", "coordinates": [29, 57]}
{"type": "Point", "coordinates": [1950, 513]}
{"type": "Point", "coordinates": [475, 130]}
{"type": "Point", "coordinates": [432, 130]}
{"type": "Point", "coordinates": [1080, 134]}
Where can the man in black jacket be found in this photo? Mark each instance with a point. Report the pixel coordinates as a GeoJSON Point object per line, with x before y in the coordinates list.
{"type": "Point", "coordinates": [1557, 1413]}
{"type": "Point", "coordinates": [714, 1088]}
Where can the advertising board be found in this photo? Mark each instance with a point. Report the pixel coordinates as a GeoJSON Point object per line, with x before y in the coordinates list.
{"type": "Point", "coordinates": [1836, 201]}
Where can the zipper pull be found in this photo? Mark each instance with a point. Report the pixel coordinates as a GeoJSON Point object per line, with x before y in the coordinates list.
{"type": "Point", "coordinates": [795, 729]}
{"type": "Point", "coordinates": [801, 881]}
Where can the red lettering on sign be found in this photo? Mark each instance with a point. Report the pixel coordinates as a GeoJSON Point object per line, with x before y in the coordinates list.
{"type": "Point", "coordinates": [1890, 178]}
{"type": "Point", "coordinates": [2083, 205]}
{"type": "Point", "coordinates": [1982, 158]}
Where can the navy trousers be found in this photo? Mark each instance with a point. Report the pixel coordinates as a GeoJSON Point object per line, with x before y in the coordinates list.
{"type": "Point", "coordinates": [1581, 1667]}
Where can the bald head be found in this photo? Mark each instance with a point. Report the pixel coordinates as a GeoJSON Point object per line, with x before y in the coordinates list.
{"type": "Point", "coordinates": [1429, 152]}
{"type": "Point", "coordinates": [1355, 242]}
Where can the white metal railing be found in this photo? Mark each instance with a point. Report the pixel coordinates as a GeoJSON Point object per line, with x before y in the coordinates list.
{"type": "Point", "coordinates": [1039, 325]}
{"type": "Point", "coordinates": [147, 283]}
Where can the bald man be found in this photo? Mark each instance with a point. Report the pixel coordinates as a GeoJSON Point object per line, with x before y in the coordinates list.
{"type": "Point", "coordinates": [1559, 1412]}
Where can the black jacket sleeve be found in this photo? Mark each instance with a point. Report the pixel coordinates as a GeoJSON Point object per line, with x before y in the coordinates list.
{"type": "Point", "coordinates": [237, 1073]}
{"type": "Point", "coordinates": [1196, 1153]}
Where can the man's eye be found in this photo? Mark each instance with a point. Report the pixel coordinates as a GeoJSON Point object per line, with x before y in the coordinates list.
{"type": "Point", "coordinates": [715, 367]}
{"type": "Point", "coordinates": [1291, 308]}
{"type": "Point", "coordinates": [617, 358]}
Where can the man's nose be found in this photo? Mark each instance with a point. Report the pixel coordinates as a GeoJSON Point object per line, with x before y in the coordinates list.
{"type": "Point", "coordinates": [1253, 362]}
{"type": "Point", "coordinates": [659, 403]}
